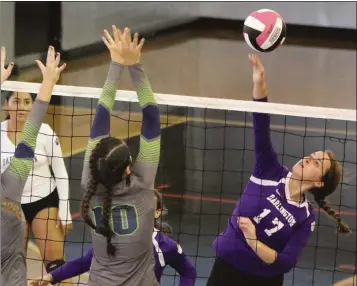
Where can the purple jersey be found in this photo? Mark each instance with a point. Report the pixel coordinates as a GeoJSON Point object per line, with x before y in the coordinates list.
{"type": "Point", "coordinates": [166, 252]}
{"type": "Point", "coordinates": [281, 223]}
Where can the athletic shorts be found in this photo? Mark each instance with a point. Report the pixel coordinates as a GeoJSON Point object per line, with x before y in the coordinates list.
{"type": "Point", "coordinates": [223, 274]}
{"type": "Point", "coordinates": [32, 209]}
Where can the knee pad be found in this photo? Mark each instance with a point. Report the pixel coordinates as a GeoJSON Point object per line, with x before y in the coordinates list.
{"type": "Point", "coordinates": [53, 265]}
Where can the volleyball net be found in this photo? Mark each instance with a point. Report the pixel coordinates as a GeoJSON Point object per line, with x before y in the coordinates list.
{"type": "Point", "coordinates": [207, 156]}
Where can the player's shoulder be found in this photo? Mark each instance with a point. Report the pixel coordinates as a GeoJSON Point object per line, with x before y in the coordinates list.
{"type": "Point", "coordinates": [46, 133]}
{"type": "Point", "coordinates": [4, 125]}
{"type": "Point", "coordinates": [46, 129]}
{"type": "Point", "coordinates": [308, 216]}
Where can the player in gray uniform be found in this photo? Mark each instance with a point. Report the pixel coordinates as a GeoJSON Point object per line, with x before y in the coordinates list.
{"type": "Point", "coordinates": [13, 179]}
{"type": "Point", "coordinates": [119, 200]}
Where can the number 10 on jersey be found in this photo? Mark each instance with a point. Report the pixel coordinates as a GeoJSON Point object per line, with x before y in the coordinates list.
{"type": "Point", "coordinates": [123, 219]}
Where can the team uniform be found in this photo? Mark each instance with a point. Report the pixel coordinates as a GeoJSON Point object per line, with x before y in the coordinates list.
{"type": "Point", "coordinates": [132, 206]}
{"type": "Point", "coordinates": [13, 259]}
{"type": "Point", "coordinates": [41, 190]}
{"type": "Point", "coordinates": [281, 223]}
{"type": "Point", "coordinates": [166, 252]}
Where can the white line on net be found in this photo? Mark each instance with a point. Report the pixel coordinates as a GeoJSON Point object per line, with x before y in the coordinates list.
{"type": "Point", "coordinates": [196, 102]}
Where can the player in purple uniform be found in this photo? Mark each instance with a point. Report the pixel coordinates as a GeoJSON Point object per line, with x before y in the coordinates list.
{"type": "Point", "coordinates": [166, 252]}
{"type": "Point", "coordinates": [13, 179]}
{"type": "Point", "coordinates": [273, 220]}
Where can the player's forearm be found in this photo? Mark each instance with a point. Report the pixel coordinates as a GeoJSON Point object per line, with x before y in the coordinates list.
{"type": "Point", "coordinates": [101, 123]}
{"type": "Point", "coordinates": [142, 85]}
{"type": "Point", "coordinates": [264, 252]}
{"type": "Point", "coordinates": [259, 89]}
{"type": "Point", "coordinates": [150, 130]}
{"type": "Point", "coordinates": [262, 139]}
{"type": "Point", "coordinates": [188, 278]}
{"type": "Point", "coordinates": [45, 92]}
{"type": "Point", "coordinates": [71, 269]}
{"type": "Point", "coordinates": [64, 212]}
{"type": "Point", "coordinates": [21, 163]}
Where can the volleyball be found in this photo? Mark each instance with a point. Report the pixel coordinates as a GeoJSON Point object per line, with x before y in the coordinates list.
{"type": "Point", "coordinates": [264, 30]}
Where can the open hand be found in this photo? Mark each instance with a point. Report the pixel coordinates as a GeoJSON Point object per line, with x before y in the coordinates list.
{"type": "Point", "coordinates": [5, 72]}
{"type": "Point", "coordinates": [123, 49]}
{"type": "Point", "coordinates": [258, 69]}
{"type": "Point", "coordinates": [51, 72]}
{"type": "Point", "coordinates": [248, 229]}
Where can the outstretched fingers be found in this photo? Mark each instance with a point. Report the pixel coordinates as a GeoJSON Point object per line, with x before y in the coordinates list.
{"type": "Point", "coordinates": [40, 65]}
{"type": "Point", "coordinates": [141, 44]}
{"type": "Point", "coordinates": [116, 33]}
{"type": "Point", "coordinates": [108, 37]}
{"type": "Point", "coordinates": [61, 68]}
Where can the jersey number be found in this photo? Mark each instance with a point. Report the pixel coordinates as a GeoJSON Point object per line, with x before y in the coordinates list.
{"type": "Point", "coordinates": [124, 219]}
{"type": "Point", "coordinates": [278, 224]}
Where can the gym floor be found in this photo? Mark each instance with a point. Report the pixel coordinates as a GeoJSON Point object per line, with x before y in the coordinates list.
{"type": "Point", "coordinates": [207, 155]}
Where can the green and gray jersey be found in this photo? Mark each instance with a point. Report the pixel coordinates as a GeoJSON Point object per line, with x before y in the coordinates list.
{"type": "Point", "coordinates": [132, 206]}
{"type": "Point", "coordinates": [13, 179]}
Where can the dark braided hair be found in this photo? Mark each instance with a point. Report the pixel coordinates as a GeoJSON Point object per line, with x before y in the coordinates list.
{"type": "Point", "coordinates": [330, 180]}
{"type": "Point", "coordinates": [107, 164]}
{"type": "Point", "coordinates": [159, 222]}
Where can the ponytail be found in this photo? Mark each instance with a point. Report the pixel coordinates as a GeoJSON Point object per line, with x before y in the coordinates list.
{"type": "Point", "coordinates": [342, 227]}
{"type": "Point", "coordinates": [104, 228]}
{"type": "Point", "coordinates": [85, 204]}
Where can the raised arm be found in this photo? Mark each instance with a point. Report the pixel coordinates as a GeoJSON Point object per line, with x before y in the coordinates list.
{"type": "Point", "coordinates": [149, 152]}
{"type": "Point", "coordinates": [266, 160]}
{"type": "Point", "coordinates": [5, 72]}
{"type": "Point", "coordinates": [101, 124]}
{"type": "Point", "coordinates": [15, 176]}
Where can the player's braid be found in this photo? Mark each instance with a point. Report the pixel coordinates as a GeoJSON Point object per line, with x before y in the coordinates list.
{"type": "Point", "coordinates": [342, 227]}
{"type": "Point", "coordinates": [107, 166]}
{"type": "Point", "coordinates": [104, 228]}
{"type": "Point", "coordinates": [91, 190]}
{"type": "Point", "coordinates": [93, 181]}
{"type": "Point", "coordinates": [331, 180]}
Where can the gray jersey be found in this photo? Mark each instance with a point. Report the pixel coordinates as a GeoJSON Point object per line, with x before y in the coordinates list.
{"type": "Point", "coordinates": [132, 206]}
{"type": "Point", "coordinates": [133, 212]}
{"type": "Point", "coordinates": [13, 179]}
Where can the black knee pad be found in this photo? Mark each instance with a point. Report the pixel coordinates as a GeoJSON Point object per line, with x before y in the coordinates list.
{"type": "Point", "coordinates": [53, 265]}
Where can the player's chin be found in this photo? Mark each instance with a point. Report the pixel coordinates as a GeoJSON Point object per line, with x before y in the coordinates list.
{"type": "Point", "coordinates": [297, 170]}
{"type": "Point", "coordinates": [21, 117]}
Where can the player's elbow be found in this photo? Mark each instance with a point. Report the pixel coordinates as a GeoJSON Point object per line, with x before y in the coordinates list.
{"type": "Point", "coordinates": [285, 262]}
{"type": "Point", "coordinates": [151, 113]}
{"type": "Point", "coordinates": [151, 122]}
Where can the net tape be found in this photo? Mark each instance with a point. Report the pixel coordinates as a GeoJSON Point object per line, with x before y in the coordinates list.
{"type": "Point", "coordinates": [195, 102]}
